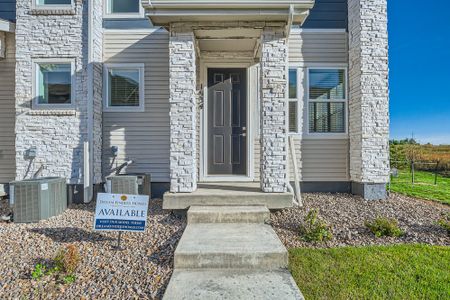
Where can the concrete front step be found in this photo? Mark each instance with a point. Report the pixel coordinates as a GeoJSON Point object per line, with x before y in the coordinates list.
{"type": "Point", "coordinates": [227, 193]}
{"type": "Point", "coordinates": [228, 214]}
{"type": "Point", "coordinates": [249, 246]}
{"type": "Point", "coordinates": [232, 284]}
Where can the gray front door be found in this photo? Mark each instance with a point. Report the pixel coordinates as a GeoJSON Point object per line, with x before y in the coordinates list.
{"type": "Point", "coordinates": [227, 122]}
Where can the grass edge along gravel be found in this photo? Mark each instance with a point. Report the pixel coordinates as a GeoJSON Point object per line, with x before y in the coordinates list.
{"type": "Point", "coordinates": [413, 271]}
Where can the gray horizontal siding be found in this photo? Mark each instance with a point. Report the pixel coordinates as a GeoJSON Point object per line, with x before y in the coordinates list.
{"type": "Point", "coordinates": [321, 160]}
{"type": "Point", "coordinates": [8, 10]}
{"type": "Point", "coordinates": [141, 136]}
{"type": "Point", "coordinates": [318, 160]}
{"type": "Point", "coordinates": [328, 14]}
{"type": "Point", "coordinates": [7, 112]}
{"type": "Point", "coordinates": [318, 47]}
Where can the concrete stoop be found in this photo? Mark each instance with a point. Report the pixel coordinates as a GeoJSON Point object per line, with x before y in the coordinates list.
{"type": "Point", "coordinates": [228, 252]}
{"type": "Point", "coordinates": [228, 214]}
{"type": "Point", "coordinates": [252, 246]}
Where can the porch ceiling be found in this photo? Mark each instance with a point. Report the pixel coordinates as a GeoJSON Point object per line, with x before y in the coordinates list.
{"type": "Point", "coordinates": [164, 12]}
{"type": "Point", "coordinates": [228, 40]}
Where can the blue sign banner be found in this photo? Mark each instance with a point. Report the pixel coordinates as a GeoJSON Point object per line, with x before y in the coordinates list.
{"type": "Point", "coordinates": [105, 224]}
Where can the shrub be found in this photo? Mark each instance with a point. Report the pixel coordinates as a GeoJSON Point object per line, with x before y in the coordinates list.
{"type": "Point", "coordinates": [384, 227]}
{"type": "Point", "coordinates": [67, 259]}
{"type": "Point", "coordinates": [445, 223]}
{"type": "Point", "coordinates": [38, 271]}
{"type": "Point", "coordinates": [314, 229]}
{"type": "Point", "coordinates": [61, 268]}
{"type": "Point", "coordinates": [69, 279]}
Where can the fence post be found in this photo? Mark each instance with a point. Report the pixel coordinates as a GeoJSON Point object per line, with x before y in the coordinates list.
{"type": "Point", "coordinates": [436, 173]}
{"type": "Point", "coordinates": [412, 172]}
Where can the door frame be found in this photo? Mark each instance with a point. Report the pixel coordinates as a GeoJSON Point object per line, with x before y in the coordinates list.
{"type": "Point", "coordinates": [203, 155]}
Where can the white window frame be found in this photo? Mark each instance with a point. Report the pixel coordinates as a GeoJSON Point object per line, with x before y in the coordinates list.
{"type": "Point", "coordinates": [296, 100]}
{"type": "Point", "coordinates": [35, 5]}
{"type": "Point", "coordinates": [108, 15]}
{"type": "Point", "coordinates": [345, 101]}
{"type": "Point", "coordinates": [35, 86]}
{"type": "Point", "coordinates": [106, 106]}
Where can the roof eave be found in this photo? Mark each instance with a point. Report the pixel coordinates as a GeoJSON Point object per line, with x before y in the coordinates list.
{"type": "Point", "coordinates": [164, 12]}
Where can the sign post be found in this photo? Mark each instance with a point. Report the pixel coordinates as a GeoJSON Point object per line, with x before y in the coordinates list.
{"type": "Point", "coordinates": [122, 213]}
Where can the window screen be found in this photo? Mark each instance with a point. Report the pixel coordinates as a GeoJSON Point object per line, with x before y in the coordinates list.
{"type": "Point", "coordinates": [327, 101]}
{"type": "Point", "coordinates": [54, 83]}
{"type": "Point", "coordinates": [293, 116]}
{"type": "Point", "coordinates": [123, 87]}
{"type": "Point", "coordinates": [292, 84]}
{"type": "Point", "coordinates": [326, 84]}
{"type": "Point", "coordinates": [53, 2]}
{"type": "Point", "coordinates": [123, 6]}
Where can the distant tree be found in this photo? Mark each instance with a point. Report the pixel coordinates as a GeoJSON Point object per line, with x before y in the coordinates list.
{"type": "Point", "coordinates": [404, 142]}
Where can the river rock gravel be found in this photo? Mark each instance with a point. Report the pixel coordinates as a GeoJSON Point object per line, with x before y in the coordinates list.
{"type": "Point", "coordinates": [140, 271]}
{"type": "Point", "coordinates": [346, 215]}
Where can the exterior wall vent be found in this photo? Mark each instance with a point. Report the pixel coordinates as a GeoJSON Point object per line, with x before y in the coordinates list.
{"type": "Point", "coordinates": [38, 199]}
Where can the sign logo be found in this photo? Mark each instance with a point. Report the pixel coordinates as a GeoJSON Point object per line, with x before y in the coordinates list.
{"type": "Point", "coordinates": [123, 198]}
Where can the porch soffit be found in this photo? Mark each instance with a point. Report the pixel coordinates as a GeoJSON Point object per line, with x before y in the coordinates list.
{"type": "Point", "coordinates": [165, 12]}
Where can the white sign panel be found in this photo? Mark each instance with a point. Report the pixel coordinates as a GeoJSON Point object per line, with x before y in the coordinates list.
{"type": "Point", "coordinates": [115, 212]}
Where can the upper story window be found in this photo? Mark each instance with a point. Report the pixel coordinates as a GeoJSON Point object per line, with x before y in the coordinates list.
{"type": "Point", "coordinates": [327, 100]}
{"type": "Point", "coordinates": [123, 8]}
{"type": "Point", "coordinates": [124, 87]}
{"type": "Point", "coordinates": [54, 84]}
{"type": "Point", "coordinates": [53, 2]}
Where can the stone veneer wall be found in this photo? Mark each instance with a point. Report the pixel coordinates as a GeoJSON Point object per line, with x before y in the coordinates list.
{"type": "Point", "coordinates": [274, 72]}
{"type": "Point", "coordinates": [183, 110]}
{"type": "Point", "coordinates": [58, 135]}
{"type": "Point", "coordinates": [369, 91]}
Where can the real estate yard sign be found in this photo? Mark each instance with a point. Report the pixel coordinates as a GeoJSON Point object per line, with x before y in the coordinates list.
{"type": "Point", "coordinates": [115, 212]}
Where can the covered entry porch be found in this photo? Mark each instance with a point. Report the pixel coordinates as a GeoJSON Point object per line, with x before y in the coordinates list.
{"type": "Point", "coordinates": [228, 75]}
{"type": "Point", "coordinates": [213, 92]}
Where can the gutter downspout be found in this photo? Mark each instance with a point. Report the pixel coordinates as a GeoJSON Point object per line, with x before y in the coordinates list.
{"type": "Point", "coordinates": [290, 21]}
{"type": "Point", "coordinates": [88, 163]}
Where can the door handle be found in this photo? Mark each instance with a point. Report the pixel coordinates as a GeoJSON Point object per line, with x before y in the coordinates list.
{"type": "Point", "coordinates": [244, 128]}
{"type": "Point", "coordinates": [243, 134]}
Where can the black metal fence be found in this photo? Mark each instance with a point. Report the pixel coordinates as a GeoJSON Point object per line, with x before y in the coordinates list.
{"type": "Point", "coordinates": [418, 172]}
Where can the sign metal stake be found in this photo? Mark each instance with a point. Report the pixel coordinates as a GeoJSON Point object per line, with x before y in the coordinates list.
{"type": "Point", "coordinates": [119, 239]}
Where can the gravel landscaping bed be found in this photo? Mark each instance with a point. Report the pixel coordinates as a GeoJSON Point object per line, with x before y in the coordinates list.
{"type": "Point", "coordinates": [346, 215]}
{"type": "Point", "coordinates": [140, 271]}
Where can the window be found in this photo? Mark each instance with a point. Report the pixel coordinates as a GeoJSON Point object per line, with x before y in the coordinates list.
{"type": "Point", "coordinates": [53, 2]}
{"type": "Point", "coordinates": [293, 101]}
{"type": "Point", "coordinates": [53, 84]}
{"type": "Point", "coordinates": [123, 7]}
{"type": "Point", "coordinates": [327, 98]}
{"type": "Point", "coordinates": [124, 87]}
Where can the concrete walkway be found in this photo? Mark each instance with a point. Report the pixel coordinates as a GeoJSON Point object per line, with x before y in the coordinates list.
{"type": "Point", "coordinates": [228, 252]}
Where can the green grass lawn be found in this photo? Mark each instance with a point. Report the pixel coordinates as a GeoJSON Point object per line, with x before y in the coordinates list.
{"type": "Point", "coordinates": [424, 187]}
{"type": "Point", "coordinates": [376, 272]}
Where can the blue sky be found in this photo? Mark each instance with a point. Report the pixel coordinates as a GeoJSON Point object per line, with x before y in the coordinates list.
{"type": "Point", "coordinates": [419, 62]}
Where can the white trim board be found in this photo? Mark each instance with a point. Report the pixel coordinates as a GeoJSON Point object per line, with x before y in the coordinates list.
{"type": "Point", "coordinates": [7, 26]}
